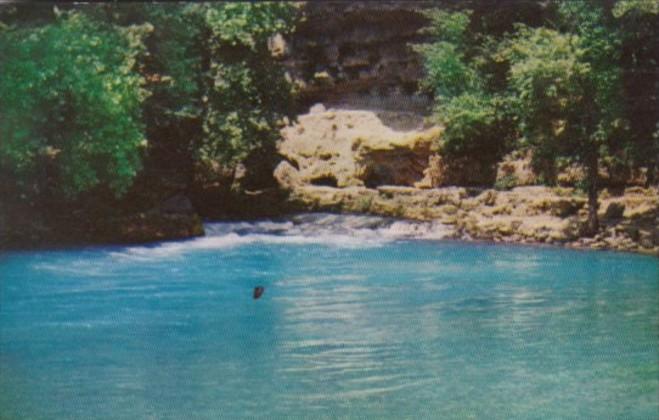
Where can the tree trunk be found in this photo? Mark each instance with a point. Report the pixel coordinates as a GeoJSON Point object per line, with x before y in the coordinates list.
{"type": "Point", "coordinates": [652, 175]}
{"type": "Point", "coordinates": [592, 174]}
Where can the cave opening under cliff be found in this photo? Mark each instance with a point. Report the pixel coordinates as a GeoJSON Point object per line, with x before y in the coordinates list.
{"type": "Point", "coordinates": [325, 181]}
{"type": "Point", "coordinates": [377, 177]}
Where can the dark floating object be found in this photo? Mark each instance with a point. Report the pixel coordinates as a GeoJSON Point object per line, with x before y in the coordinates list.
{"type": "Point", "coordinates": [258, 291]}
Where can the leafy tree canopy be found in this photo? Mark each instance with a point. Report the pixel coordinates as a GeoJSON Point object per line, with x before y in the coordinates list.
{"type": "Point", "coordinates": [474, 115]}
{"type": "Point", "coordinates": [70, 104]}
{"type": "Point", "coordinates": [246, 91]}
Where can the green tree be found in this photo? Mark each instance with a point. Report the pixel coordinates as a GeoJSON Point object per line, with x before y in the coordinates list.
{"type": "Point", "coordinates": [174, 73]}
{"type": "Point", "coordinates": [70, 116]}
{"type": "Point", "coordinates": [246, 93]}
{"type": "Point", "coordinates": [469, 103]}
{"type": "Point", "coordinates": [569, 92]}
{"type": "Point", "coordinates": [216, 93]}
{"type": "Point", "coordinates": [638, 24]}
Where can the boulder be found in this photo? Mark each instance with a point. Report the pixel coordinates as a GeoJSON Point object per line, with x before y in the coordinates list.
{"type": "Point", "coordinates": [146, 227]}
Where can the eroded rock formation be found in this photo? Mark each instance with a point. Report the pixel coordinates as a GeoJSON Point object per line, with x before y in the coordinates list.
{"type": "Point", "coordinates": [340, 148]}
{"type": "Point", "coordinates": [356, 54]}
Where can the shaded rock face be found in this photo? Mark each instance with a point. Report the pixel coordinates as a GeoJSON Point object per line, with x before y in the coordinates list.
{"type": "Point", "coordinates": [443, 171]}
{"type": "Point", "coordinates": [341, 148]}
{"type": "Point", "coordinates": [397, 166]}
{"type": "Point", "coordinates": [133, 228]}
{"type": "Point", "coordinates": [177, 204]}
{"type": "Point", "coordinates": [357, 55]}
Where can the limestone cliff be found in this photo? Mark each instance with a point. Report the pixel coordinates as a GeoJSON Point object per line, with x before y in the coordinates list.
{"type": "Point", "coordinates": [356, 54]}
{"type": "Point", "coordinates": [343, 148]}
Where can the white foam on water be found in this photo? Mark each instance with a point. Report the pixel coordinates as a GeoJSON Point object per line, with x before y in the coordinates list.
{"type": "Point", "coordinates": [340, 231]}
{"type": "Point", "coordinates": [87, 269]}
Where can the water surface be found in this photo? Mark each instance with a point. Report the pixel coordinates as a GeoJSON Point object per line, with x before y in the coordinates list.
{"type": "Point", "coordinates": [358, 320]}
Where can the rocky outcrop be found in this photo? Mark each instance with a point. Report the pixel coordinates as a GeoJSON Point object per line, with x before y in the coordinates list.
{"type": "Point", "coordinates": [145, 227]}
{"type": "Point", "coordinates": [533, 214]}
{"type": "Point", "coordinates": [340, 148]}
{"type": "Point", "coordinates": [356, 54]}
{"type": "Point", "coordinates": [352, 161]}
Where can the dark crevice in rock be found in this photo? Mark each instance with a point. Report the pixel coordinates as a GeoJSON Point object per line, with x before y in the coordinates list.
{"type": "Point", "coordinates": [325, 181]}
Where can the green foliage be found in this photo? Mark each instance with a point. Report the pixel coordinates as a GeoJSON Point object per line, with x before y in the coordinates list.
{"type": "Point", "coordinates": [570, 91]}
{"type": "Point", "coordinates": [449, 26]}
{"type": "Point", "coordinates": [80, 91]}
{"type": "Point", "coordinates": [548, 75]}
{"type": "Point", "coordinates": [622, 7]}
{"type": "Point", "coordinates": [637, 22]}
{"type": "Point", "coordinates": [506, 183]}
{"type": "Point", "coordinates": [573, 78]}
{"type": "Point", "coordinates": [247, 93]}
{"type": "Point", "coordinates": [472, 122]}
{"type": "Point", "coordinates": [175, 61]}
{"type": "Point", "coordinates": [447, 74]}
{"type": "Point", "coordinates": [249, 24]}
{"type": "Point", "coordinates": [70, 104]}
{"type": "Point", "coordinates": [174, 72]}
{"type": "Point", "coordinates": [217, 93]}
{"type": "Point", "coordinates": [447, 71]}
{"type": "Point", "coordinates": [474, 116]}
{"type": "Point", "coordinates": [569, 94]}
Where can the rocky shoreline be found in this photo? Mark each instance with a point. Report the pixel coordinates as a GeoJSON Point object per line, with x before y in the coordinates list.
{"type": "Point", "coordinates": [525, 215]}
{"type": "Point", "coordinates": [528, 215]}
{"type": "Point", "coordinates": [378, 163]}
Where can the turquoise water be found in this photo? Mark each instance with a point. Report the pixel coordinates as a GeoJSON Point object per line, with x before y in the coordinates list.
{"type": "Point", "coordinates": [357, 320]}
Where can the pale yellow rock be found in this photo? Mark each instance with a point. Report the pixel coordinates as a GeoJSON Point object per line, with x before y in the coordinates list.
{"type": "Point", "coordinates": [502, 210]}
{"type": "Point", "coordinates": [448, 209]}
{"type": "Point", "coordinates": [286, 175]}
{"type": "Point", "coordinates": [354, 148]}
{"type": "Point", "coordinates": [641, 210]}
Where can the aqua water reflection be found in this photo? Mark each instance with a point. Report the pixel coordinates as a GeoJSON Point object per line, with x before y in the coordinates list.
{"type": "Point", "coordinates": [382, 329]}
